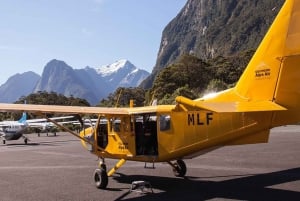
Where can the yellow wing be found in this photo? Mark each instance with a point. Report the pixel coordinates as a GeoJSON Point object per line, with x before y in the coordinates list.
{"type": "Point", "coordinates": [50, 109]}
{"type": "Point", "coordinates": [45, 109]}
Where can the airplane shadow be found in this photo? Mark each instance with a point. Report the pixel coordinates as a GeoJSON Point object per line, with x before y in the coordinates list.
{"type": "Point", "coordinates": [43, 143]}
{"type": "Point", "coordinates": [56, 142]}
{"type": "Point", "coordinates": [21, 144]}
{"type": "Point", "coordinates": [246, 187]}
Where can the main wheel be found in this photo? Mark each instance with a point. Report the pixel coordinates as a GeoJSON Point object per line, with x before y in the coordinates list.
{"type": "Point", "coordinates": [25, 140]}
{"type": "Point", "coordinates": [179, 168]}
{"type": "Point", "coordinates": [100, 178]}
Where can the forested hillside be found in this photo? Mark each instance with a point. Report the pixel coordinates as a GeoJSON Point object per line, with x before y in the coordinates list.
{"type": "Point", "coordinates": [211, 28]}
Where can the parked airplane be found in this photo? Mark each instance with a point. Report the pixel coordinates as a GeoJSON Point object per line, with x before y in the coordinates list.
{"type": "Point", "coordinates": [43, 125]}
{"type": "Point", "coordinates": [267, 95]}
{"type": "Point", "coordinates": [14, 130]}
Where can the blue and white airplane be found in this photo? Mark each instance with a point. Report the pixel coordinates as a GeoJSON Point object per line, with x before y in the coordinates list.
{"type": "Point", "coordinates": [14, 130]}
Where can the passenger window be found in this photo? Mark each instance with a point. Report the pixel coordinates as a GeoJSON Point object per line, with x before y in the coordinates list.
{"type": "Point", "coordinates": [165, 122]}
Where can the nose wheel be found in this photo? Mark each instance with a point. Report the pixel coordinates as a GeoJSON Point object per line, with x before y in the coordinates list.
{"type": "Point", "coordinates": [100, 178]}
{"type": "Point", "coordinates": [100, 175]}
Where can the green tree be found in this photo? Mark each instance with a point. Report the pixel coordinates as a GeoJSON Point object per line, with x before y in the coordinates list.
{"type": "Point", "coordinates": [190, 73]}
{"type": "Point", "coordinates": [44, 98]}
{"type": "Point", "coordinates": [52, 98]}
{"type": "Point", "coordinates": [122, 96]}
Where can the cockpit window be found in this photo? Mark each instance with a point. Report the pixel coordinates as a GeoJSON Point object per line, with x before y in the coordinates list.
{"type": "Point", "coordinates": [165, 122]}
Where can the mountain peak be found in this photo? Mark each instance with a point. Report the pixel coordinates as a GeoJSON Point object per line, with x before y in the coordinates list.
{"type": "Point", "coordinates": [109, 69]}
{"type": "Point", "coordinates": [20, 84]}
{"type": "Point", "coordinates": [122, 73]}
{"type": "Point", "coordinates": [55, 62]}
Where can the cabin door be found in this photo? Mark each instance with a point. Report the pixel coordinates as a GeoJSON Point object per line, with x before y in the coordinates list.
{"type": "Point", "coordinates": [146, 134]}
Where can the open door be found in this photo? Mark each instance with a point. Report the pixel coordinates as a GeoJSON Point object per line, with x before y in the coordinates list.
{"type": "Point", "coordinates": [146, 134]}
{"type": "Point", "coordinates": [102, 132]}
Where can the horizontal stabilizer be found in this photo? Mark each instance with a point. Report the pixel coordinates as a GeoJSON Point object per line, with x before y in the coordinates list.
{"type": "Point", "coordinates": [250, 106]}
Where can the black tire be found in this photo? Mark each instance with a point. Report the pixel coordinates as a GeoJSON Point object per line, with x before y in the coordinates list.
{"type": "Point", "coordinates": [100, 178]}
{"type": "Point", "coordinates": [25, 140]}
{"type": "Point", "coordinates": [4, 141]}
{"type": "Point", "coordinates": [180, 168]}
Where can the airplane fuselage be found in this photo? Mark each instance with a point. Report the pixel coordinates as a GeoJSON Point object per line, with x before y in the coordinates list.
{"type": "Point", "coordinates": [158, 136]}
{"type": "Point", "coordinates": [12, 132]}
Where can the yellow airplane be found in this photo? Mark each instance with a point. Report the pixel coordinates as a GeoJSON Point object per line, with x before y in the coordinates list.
{"type": "Point", "coordinates": [267, 95]}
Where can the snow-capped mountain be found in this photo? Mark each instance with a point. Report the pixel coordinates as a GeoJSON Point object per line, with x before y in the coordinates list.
{"type": "Point", "coordinates": [89, 83]}
{"type": "Point", "coordinates": [107, 70]}
{"type": "Point", "coordinates": [122, 73]}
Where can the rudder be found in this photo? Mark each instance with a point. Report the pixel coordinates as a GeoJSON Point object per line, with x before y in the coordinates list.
{"type": "Point", "coordinates": [288, 92]}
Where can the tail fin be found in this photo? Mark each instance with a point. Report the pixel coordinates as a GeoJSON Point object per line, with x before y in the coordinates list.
{"type": "Point", "coordinates": [23, 118]}
{"type": "Point", "coordinates": [263, 74]}
{"type": "Point", "coordinates": [273, 74]}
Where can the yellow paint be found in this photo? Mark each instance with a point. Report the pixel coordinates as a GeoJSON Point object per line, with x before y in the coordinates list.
{"type": "Point", "coordinates": [88, 134]}
{"type": "Point", "coordinates": [121, 137]}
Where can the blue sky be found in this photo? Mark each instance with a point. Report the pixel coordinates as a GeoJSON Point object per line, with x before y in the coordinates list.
{"type": "Point", "coordinates": [81, 32]}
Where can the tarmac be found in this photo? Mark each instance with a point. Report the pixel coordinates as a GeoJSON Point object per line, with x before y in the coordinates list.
{"type": "Point", "coordinates": [59, 168]}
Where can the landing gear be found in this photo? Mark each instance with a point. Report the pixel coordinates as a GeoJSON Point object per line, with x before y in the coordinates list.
{"type": "Point", "coordinates": [100, 175]}
{"type": "Point", "coordinates": [103, 167]}
{"type": "Point", "coordinates": [4, 141]}
{"type": "Point", "coordinates": [179, 168]}
{"type": "Point", "coordinates": [100, 178]}
{"type": "Point", "coordinates": [25, 139]}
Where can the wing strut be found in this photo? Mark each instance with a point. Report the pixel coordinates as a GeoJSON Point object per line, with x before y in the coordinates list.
{"type": "Point", "coordinates": [68, 130]}
{"type": "Point", "coordinates": [76, 135]}
{"type": "Point", "coordinates": [117, 166]}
